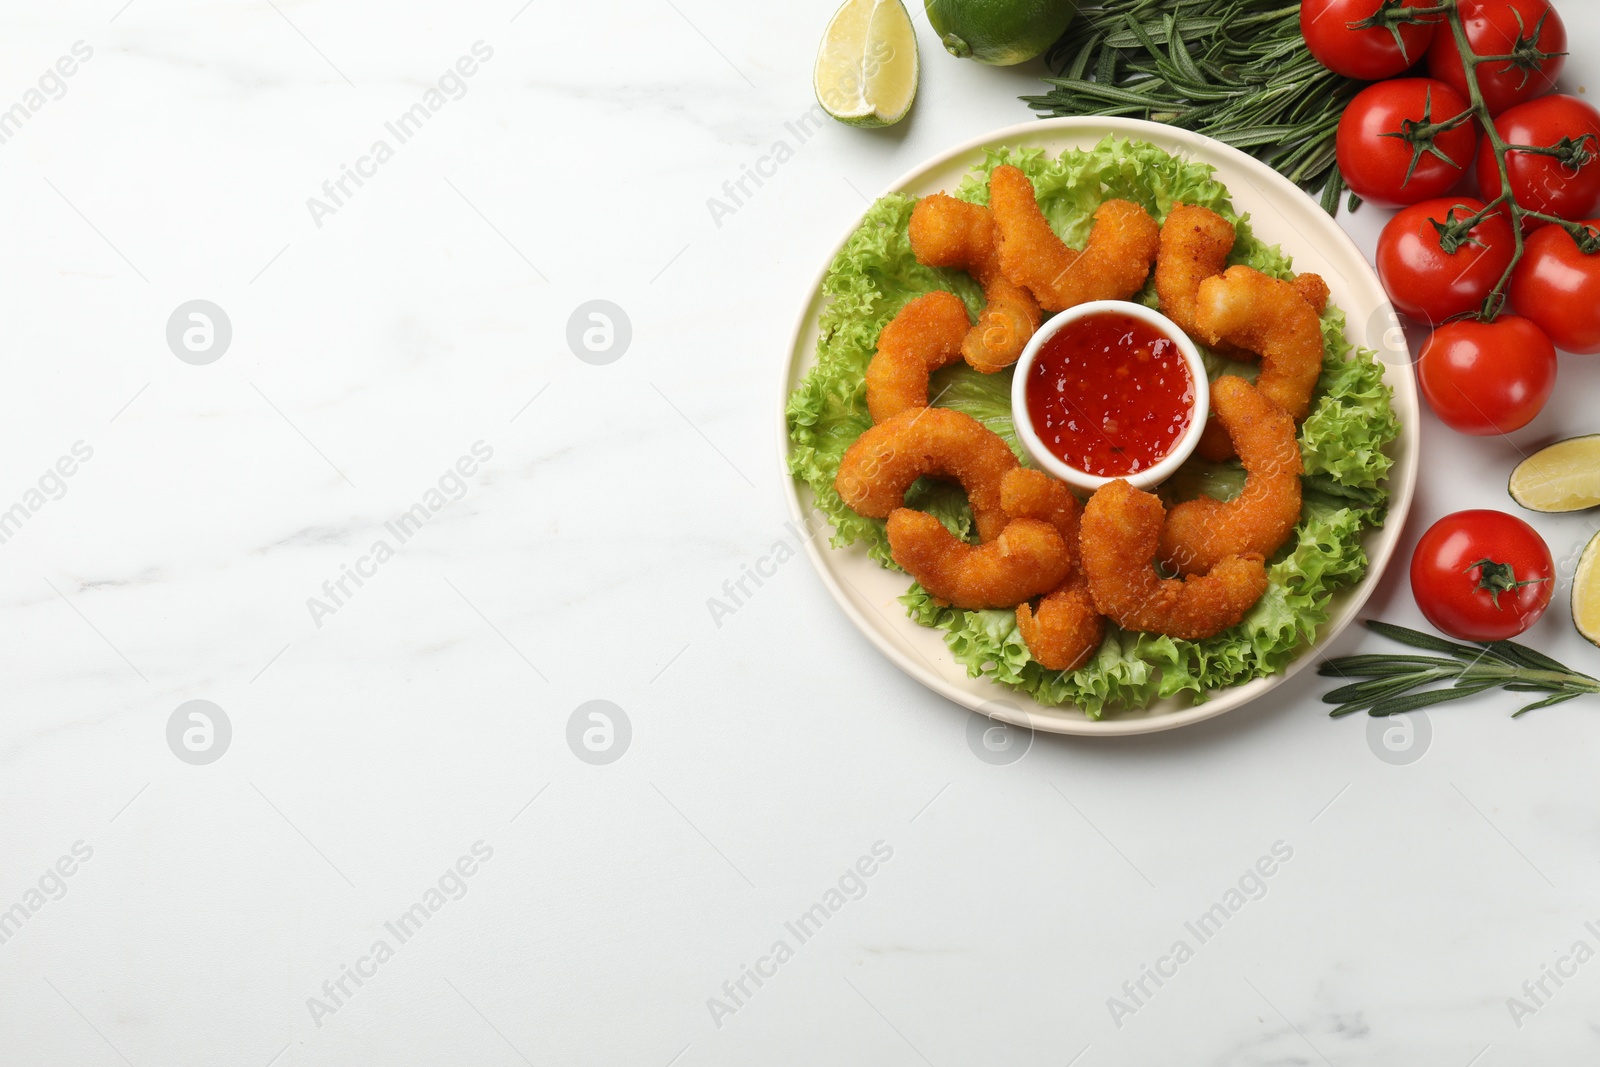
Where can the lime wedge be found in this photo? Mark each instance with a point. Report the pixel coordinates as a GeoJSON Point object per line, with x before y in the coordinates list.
{"type": "Point", "coordinates": [866, 72]}
{"type": "Point", "coordinates": [1586, 592]}
{"type": "Point", "coordinates": [1563, 477]}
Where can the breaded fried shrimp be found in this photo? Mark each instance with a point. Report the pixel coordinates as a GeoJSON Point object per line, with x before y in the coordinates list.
{"type": "Point", "coordinates": [1027, 558]}
{"type": "Point", "coordinates": [1270, 317]}
{"type": "Point", "coordinates": [1031, 494]}
{"type": "Point", "coordinates": [925, 336]}
{"type": "Point", "coordinates": [1066, 628]}
{"type": "Point", "coordinates": [1200, 533]}
{"type": "Point", "coordinates": [1195, 243]}
{"type": "Point", "coordinates": [1281, 321]}
{"type": "Point", "coordinates": [1313, 290]}
{"type": "Point", "coordinates": [1006, 324]}
{"type": "Point", "coordinates": [946, 232]}
{"type": "Point", "coordinates": [1112, 266]}
{"type": "Point", "coordinates": [880, 466]}
{"type": "Point", "coordinates": [1121, 532]}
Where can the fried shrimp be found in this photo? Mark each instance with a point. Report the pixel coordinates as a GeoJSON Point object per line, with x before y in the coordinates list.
{"type": "Point", "coordinates": [1281, 321]}
{"type": "Point", "coordinates": [1066, 628]}
{"type": "Point", "coordinates": [1273, 318]}
{"type": "Point", "coordinates": [946, 232]}
{"type": "Point", "coordinates": [1313, 290]}
{"type": "Point", "coordinates": [880, 466]}
{"type": "Point", "coordinates": [1195, 243]}
{"type": "Point", "coordinates": [1112, 266]}
{"type": "Point", "coordinates": [1031, 494]}
{"type": "Point", "coordinates": [925, 336]}
{"type": "Point", "coordinates": [1200, 533]}
{"type": "Point", "coordinates": [1121, 533]}
{"type": "Point", "coordinates": [1027, 558]}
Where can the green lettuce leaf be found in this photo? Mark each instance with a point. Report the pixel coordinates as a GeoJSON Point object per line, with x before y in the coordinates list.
{"type": "Point", "coordinates": [1352, 421]}
{"type": "Point", "coordinates": [1343, 440]}
{"type": "Point", "coordinates": [871, 279]}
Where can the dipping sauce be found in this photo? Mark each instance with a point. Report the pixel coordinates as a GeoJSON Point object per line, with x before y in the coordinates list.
{"type": "Point", "coordinates": [1110, 395]}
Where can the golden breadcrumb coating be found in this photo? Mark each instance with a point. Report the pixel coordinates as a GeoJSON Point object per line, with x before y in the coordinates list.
{"type": "Point", "coordinates": [1121, 532]}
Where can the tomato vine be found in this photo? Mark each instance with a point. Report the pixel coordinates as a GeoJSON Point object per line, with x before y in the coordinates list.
{"type": "Point", "coordinates": [1571, 153]}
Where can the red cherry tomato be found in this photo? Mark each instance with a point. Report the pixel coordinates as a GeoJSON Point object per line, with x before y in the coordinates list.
{"type": "Point", "coordinates": [1371, 54]}
{"type": "Point", "coordinates": [1545, 183]}
{"type": "Point", "coordinates": [1376, 164]}
{"type": "Point", "coordinates": [1482, 575]}
{"type": "Point", "coordinates": [1558, 287]}
{"type": "Point", "coordinates": [1493, 29]}
{"type": "Point", "coordinates": [1485, 378]}
{"type": "Point", "coordinates": [1429, 284]}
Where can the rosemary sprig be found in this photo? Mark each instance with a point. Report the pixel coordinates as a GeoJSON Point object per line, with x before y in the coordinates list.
{"type": "Point", "coordinates": [1236, 70]}
{"type": "Point", "coordinates": [1394, 684]}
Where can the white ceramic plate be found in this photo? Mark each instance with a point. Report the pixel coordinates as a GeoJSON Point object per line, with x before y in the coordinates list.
{"type": "Point", "coordinates": [1280, 214]}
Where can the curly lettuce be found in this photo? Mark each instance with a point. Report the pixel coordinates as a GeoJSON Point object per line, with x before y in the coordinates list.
{"type": "Point", "coordinates": [1344, 440]}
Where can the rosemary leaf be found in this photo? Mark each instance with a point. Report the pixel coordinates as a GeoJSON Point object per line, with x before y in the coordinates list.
{"type": "Point", "coordinates": [1418, 639]}
{"type": "Point", "coordinates": [1395, 684]}
{"type": "Point", "coordinates": [1528, 657]}
{"type": "Point", "coordinates": [1376, 689]}
{"type": "Point", "coordinates": [1237, 70]}
{"type": "Point", "coordinates": [1401, 705]}
{"type": "Point", "coordinates": [1545, 703]}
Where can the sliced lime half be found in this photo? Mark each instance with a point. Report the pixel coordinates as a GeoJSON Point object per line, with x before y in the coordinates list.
{"type": "Point", "coordinates": [866, 73]}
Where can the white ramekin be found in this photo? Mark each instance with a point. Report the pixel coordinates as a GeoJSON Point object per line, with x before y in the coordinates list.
{"type": "Point", "coordinates": [1082, 480]}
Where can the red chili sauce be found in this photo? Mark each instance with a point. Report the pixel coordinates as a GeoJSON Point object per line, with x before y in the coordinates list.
{"type": "Point", "coordinates": [1110, 395]}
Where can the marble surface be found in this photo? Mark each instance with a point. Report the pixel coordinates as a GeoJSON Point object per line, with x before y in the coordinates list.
{"type": "Point", "coordinates": [410, 788]}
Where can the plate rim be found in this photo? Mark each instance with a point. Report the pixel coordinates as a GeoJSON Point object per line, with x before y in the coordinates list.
{"type": "Point", "coordinates": [1001, 706]}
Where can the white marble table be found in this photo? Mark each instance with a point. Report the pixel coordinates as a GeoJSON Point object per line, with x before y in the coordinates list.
{"type": "Point", "coordinates": [397, 768]}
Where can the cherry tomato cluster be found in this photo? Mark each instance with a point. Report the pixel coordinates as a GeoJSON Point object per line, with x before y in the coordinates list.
{"type": "Point", "coordinates": [1498, 180]}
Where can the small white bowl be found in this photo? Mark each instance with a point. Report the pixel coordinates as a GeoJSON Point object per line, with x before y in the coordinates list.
{"type": "Point", "coordinates": [1082, 479]}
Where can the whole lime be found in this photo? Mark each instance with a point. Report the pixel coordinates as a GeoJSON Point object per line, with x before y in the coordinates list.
{"type": "Point", "coordinates": [999, 32]}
